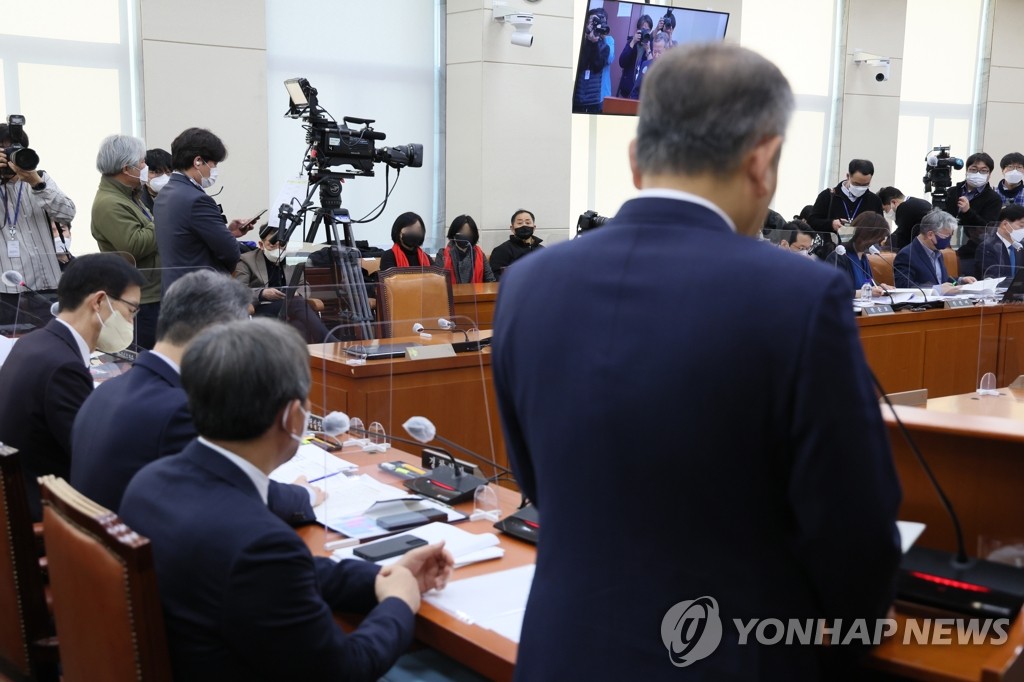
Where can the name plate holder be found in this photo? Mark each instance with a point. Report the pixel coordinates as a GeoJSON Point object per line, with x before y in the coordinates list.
{"type": "Point", "coordinates": [440, 350]}
{"type": "Point", "coordinates": [880, 309]}
{"type": "Point", "coordinates": [958, 303]}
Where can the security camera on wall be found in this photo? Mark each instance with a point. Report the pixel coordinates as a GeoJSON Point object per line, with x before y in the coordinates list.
{"type": "Point", "coordinates": [521, 21]}
{"type": "Point", "coordinates": [878, 64]}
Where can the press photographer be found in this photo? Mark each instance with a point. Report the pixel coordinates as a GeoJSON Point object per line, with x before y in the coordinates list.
{"type": "Point", "coordinates": [31, 201]}
{"type": "Point", "coordinates": [635, 53]}
{"type": "Point", "coordinates": [593, 80]}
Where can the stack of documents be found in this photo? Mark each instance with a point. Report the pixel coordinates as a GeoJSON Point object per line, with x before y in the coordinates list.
{"type": "Point", "coordinates": [362, 523]}
{"type": "Point", "coordinates": [312, 462]}
{"type": "Point", "coordinates": [496, 601]}
{"type": "Point", "coordinates": [983, 286]}
{"type": "Point", "coordinates": [467, 548]}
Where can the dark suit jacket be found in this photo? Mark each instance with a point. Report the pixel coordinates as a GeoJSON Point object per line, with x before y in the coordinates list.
{"type": "Point", "coordinates": [993, 260]}
{"type": "Point", "coordinates": [672, 455]}
{"type": "Point", "coordinates": [190, 231]}
{"type": "Point", "coordinates": [242, 596]}
{"type": "Point", "coordinates": [912, 267]}
{"type": "Point", "coordinates": [984, 208]}
{"type": "Point", "coordinates": [136, 418]}
{"type": "Point", "coordinates": [833, 203]}
{"type": "Point", "coordinates": [42, 385]}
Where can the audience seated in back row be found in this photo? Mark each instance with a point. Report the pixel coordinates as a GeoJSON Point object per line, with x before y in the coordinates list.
{"type": "Point", "coordinates": [408, 234]}
{"type": "Point", "coordinates": [521, 242]}
{"type": "Point", "coordinates": [464, 261]}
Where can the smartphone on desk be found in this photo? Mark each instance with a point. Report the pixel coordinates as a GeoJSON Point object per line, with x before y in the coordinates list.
{"type": "Point", "coordinates": [385, 549]}
{"type": "Point", "coordinates": [411, 519]}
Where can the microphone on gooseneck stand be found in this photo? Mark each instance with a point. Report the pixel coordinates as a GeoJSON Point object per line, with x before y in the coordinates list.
{"type": "Point", "coordinates": [13, 278]}
{"type": "Point", "coordinates": [958, 583]}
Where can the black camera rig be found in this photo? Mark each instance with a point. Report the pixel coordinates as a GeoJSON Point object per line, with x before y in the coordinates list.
{"type": "Point", "coordinates": [937, 174]}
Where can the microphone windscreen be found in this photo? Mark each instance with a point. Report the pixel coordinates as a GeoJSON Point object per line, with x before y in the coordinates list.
{"type": "Point", "coordinates": [336, 423]}
{"type": "Point", "coordinates": [420, 428]}
{"type": "Point", "coordinates": [13, 278]}
{"type": "Point", "coordinates": [417, 327]}
{"type": "Point", "coordinates": [445, 324]}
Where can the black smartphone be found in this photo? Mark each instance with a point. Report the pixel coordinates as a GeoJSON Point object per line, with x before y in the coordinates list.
{"type": "Point", "coordinates": [411, 519]}
{"type": "Point", "coordinates": [252, 223]}
{"type": "Point", "coordinates": [385, 549]}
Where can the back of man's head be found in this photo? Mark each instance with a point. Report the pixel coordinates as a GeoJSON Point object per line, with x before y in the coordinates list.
{"type": "Point", "coordinates": [198, 300]}
{"type": "Point", "coordinates": [94, 272]}
{"type": "Point", "coordinates": [1011, 213]}
{"type": "Point", "coordinates": [240, 375]}
{"type": "Point", "coordinates": [703, 107]}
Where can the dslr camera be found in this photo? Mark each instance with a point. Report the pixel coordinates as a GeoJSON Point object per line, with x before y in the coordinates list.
{"type": "Point", "coordinates": [21, 156]}
{"type": "Point", "coordinates": [599, 27]}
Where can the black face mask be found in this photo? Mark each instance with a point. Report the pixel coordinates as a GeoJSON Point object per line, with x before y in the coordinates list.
{"type": "Point", "coordinates": [463, 240]}
{"type": "Point", "coordinates": [413, 240]}
{"type": "Point", "coordinates": [524, 233]}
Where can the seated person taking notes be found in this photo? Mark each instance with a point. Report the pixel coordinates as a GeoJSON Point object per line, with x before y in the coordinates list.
{"type": "Point", "coordinates": [242, 596]}
{"type": "Point", "coordinates": [920, 264]}
{"type": "Point", "coordinates": [870, 230]}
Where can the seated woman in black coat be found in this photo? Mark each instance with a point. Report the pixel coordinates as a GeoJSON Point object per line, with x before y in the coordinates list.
{"type": "Point", "coordinates": [408, 233]}
{"type": "Point", "coordinates": [870, 229]}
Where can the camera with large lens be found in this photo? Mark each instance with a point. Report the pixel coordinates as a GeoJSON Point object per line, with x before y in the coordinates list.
{"type": "Point", "coordinates": [21, 156]}
{"type": "Point", "coordinates": [590, 220]}
{"type": "Point", "coordinates": [645, 36]}
{"type": "Point", "coordinates": [599, 27]}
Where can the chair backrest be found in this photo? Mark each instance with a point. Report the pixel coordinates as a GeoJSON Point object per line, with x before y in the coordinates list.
{"type": "Point", "coordinates": [881, 267]}
{"type": "Point", "coordinates": [23, 616]}
{"type": "Point", "coordinates": [413, 295]}
{"type": "Point", "coordinates": [105, 599]}
{"type": "Point", "coordinates": [952, 263]}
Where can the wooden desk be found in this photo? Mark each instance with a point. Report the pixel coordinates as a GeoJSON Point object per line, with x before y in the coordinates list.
{"type": "Point", "coordinates": [620, 105]}
{"type": "Point", "coordinates": [483, 650]}
{"type": "Point", "coordinates": [456, 393]}
{"type": "Point", "coordinates": [476, 301]}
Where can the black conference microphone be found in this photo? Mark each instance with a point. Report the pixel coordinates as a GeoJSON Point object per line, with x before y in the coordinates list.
{"type": "Point", "coordinates": [954, 582]}
{"type": "Point", "coordinates": [13, 278]}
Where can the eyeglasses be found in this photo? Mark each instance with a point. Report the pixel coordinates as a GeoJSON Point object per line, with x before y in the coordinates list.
{"type": "Point", "coordinates": [132, 307]}
{"type": "Point", "coordinates": [977, 169]}
{"type": "Point", "coordinates": [1015, 166]}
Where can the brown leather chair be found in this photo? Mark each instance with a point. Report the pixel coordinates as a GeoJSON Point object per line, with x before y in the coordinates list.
{"type": "Point", "coordinates": [105, 597]}
{"type": "Point", "coordinates": [952, 262]}
{"type": "Point", "coordinates": [28, 649]}
{"type": "Point", "coordinates": [410, 295]}
{"type": "Point", "coordinates": [881, 267]}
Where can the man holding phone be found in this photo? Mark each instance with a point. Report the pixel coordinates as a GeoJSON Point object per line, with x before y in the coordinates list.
{"type": "Point", "coordinates": [838, 206]}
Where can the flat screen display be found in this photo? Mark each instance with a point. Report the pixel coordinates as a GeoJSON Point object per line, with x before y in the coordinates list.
{"type": "Point", "coordinates": [620, 41]}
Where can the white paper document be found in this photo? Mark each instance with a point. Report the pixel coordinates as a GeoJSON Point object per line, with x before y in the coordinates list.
{"type": "Point", "coordinates": [363, 524]}
{"type": "Point", "coordinates": [348, 496]}
{"type": "Point", "coordinates": [466, 547]}
{"type": "Point", "coordinates": [496, 601]}
{"type": "Point", "coordinates": [983, 286]}
{"type": "Point", "coordinates": [312, 462]}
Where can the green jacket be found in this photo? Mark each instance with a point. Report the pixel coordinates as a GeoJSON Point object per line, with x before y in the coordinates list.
{"type": "Point", "coordinates": [119, 223]}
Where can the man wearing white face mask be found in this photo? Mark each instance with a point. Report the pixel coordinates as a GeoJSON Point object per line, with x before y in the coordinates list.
{"type": "Point", "coordinates": [121, 221]}
{"type": "Point", "coordinates": [266, 273]}
{"type": "Point", "coordinates": [193, 232]}
{"type": "Point", "coordinates": [1011, 188]}
{"type": "Point", "coordinates": [158, 161]}
{"type": "Point", "coordinates": [838, 206]}
{"type": "Point", "coordinates": [1000, 254]}
{"type": "Point", "coordinates": [973, 201]}
{"type": "Point", "coordinates": [46, 377]}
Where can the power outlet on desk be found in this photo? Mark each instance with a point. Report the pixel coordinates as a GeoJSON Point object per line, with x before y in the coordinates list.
{"type": "Point", "coordinates": [431, 458]}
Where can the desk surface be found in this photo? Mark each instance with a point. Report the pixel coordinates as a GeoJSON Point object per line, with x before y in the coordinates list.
{"type": "Point", "coordinates": [1009, 404]}
{"type": "Point", "coordinates": [483, 650]}
{"type": "Point", "coordinates": [331, 357]}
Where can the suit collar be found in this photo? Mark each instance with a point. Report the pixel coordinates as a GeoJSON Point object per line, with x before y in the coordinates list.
{"type": "Point", "coordinates": [179, 177]}
{"type": "Point", "coordinates": [220, 466]}
{"type": "Point", "coordinates": [673, 210]}
{"type": "Point", "coordinates": [70, 336]}
{"type": "Point", "coordinates": [157, 365]}
{"type": "Point", "coordinates": [679, 195]}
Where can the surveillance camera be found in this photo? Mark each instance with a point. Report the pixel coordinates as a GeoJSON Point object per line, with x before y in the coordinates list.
{"type": "Point", "coordinates": [521, 21]}
{"type": "Point", "coordinates": [882, 71]}
{"type": "Point", "coordinates": [522, 39]}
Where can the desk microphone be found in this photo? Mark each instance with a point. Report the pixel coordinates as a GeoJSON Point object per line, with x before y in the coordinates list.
{"type": "Point", "coordinates": [443, 325]}
{"type": "Point", "coordinates": [13, 278]}
{"type": "Point", "coordinates": [954, 582]}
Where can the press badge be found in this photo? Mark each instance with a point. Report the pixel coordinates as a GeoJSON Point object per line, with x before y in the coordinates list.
{"type": "Point", "coordinates": [13, 249]}
{"type": "Point", "coordinates": [586, 75]}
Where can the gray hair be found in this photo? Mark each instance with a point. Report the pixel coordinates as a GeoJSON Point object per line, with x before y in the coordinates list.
{"type": "Point", "coordinates": [198, 300]}
{"type": "Point", "coordinates": [118, 151]}
{"type": "Point", "coordinates": [937, 219]}
{"type": "Point", "coordinates": [240, 375]}
{"type": "Point", "coordinates": [703, 107]}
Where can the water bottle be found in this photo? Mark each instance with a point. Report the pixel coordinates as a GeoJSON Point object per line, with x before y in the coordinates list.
{"type": "Point", "coordinates": [865, 292]}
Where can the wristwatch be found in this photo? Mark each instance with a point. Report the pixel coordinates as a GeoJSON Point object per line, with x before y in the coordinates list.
{"type": "Point", "coordinates": [39, 186]}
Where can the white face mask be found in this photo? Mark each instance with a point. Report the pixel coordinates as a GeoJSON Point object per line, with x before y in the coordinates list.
{"type": "Point", "coordinates": [1017, 234]}
{"type": "Point", "coordinates": [62, 246]}
{"type": "Point", "coordinates": [857, 191]}
{"type": "Point", "coordinates": [273, 255]}
{"type": "Point", "coordinates": [976, 180]}
{"type": "Point", "coordinates": [116, 333]}
{"type": "Point", "coordinates": [305, 421]}
{"type": "Point", "coordinates": [891, 216]}
{"type": "Point", "coordinates": [208, 181]}
{"type": "Point", "coordinates": [156, 184]}
{"type": "Point", "coordinates": [1014, 177]}
{"type": "Point", "coordinates": [144, 175]}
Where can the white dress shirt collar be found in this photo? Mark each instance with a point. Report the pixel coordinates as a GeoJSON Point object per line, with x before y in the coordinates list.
{"type": "Point", "coordinates": [173, 365]}
{"type": "Point", "coordinates": [83, 347]}
{"type": "Point", "coordinates": [1006, 242]}
{"type": "Point", "coordinates": [258, 478]}
{"type": "Point", "coordinates": [679, 195]}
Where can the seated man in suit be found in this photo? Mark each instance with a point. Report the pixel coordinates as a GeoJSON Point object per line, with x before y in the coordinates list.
{"type": "Point", "coordinates": [242, 596]}
{"type": "Point", "coordinates": [143, 415]}
{"type": "Point", "coordinates": [920, 264]}
{"type": "Point", "coordinates": [46, 377]}
{"type": "Point", "coordinates": [1000, 253]}
{"type": "Point", "coordinates": [788, 513]}
{"type": "Point", "coordinates": [265, 272]}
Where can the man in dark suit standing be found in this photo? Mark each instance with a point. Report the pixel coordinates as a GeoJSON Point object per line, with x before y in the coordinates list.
{"type": "Point", "coordinates": [143, 415]}
{"type": "Point", "coordinates": [764, 487]}
{"type": "Point", "coordinates": [242, 596]}
{"type": "Point", "coordinates": [1000, 253]}
{"type": "Point", "coordinates": [46, 377]}
{"type": "Point", "coordinates": [191, 230]}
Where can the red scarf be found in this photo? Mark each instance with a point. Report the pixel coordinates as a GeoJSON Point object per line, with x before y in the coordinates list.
{"type": "Point", "coordinates": [478, 264]}
{"type": "Point", "coordinates": [402, 262]}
